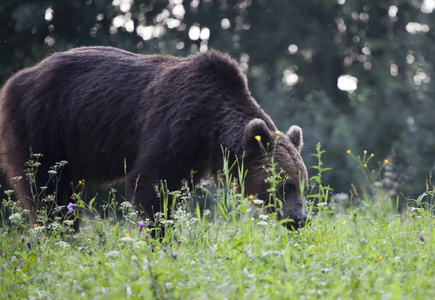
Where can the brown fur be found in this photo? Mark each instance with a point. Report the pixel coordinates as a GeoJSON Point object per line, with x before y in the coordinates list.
{"type": "Point", "coordinates": [96, 106]}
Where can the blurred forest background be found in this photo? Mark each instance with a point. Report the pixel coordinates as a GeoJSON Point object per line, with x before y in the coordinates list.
{"type": "Point", "coordinates": [354, 74]}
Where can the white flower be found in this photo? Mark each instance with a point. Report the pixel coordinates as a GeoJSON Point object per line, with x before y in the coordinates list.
{"type": "Point", "coordinates": [112, 254]}
{"type": "Point", "coordinates": [62, 244]}
{"type": "Point", "coordinates": [263, 217]}
{"type": "Point", "coordinates": [68, 222]}
{"type": "Point", "coordinates": [39, 228]}
{"type": "Point", "coordinates": [262, 223]}
{"type": "Point", "coordinates": [126, 204]}
{"type": "Point", "coordinates": [168, 285]}
{"type": "Point", "coordinates": [258, 201]}
{"type": "Point", "coordinates": [15, 218]}
{"type": "Point", "coordinates": [127, 239]}
{"type": "Point", "coordinates": [140, 244]}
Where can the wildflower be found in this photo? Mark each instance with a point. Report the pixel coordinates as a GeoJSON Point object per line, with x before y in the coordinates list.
{"type": "Point", "coordinates": [386, 161]}
{"type": "Point", "coordinates": [348, 151]}
{"type": "Point", "coordinates": [258, 201]}
{"type": "Point", "coordinates": [29, 244]}
{"type": "Point", "coordinates": [39, 228]}
{"type": "Point", "coordinates": [23, 238]}
{"type": "Point", "coordinates": [127, 234]}
{"type": "Point", "coordinates": [215, 245]}
{"type": "Point", "coordinates": [128, 289]}
{"type": "Point", "coordinates": [141, 225]}
{"type": "Point", "coordinates": [263, 217]}
{"type": "Point", "coordinates": [38, 240]}
{"type": "Point", "coordinates": [63, 244]}
{"type": "Point", "coordinates": [168, 285]}
{"type": "Point", "coordinates": [68, 222]}
{"type": "Point", "coordinates": [258, 138]}
{"type": "Point", "coordinates": [126, 239]}
{"type": "Point", "coordinates": [80, 182]}
{"type": "Point", "coordinates": [15, 218]}
{"type": "Point", "coordinates": [262, 223]}
{"type": "Point", "coordinates": [150, 282]}
{"type": "Point", "coordinates": [365, 151]}
{"type": "Point", "coordinates": [365, 165]}
{"type": "Point", "coordinates": [70, 207]}
{"type": "Point", "coordinates": [250, 197]}
{"type": "Point", "coordinates": [112, 254]}
{"type": "Point", "coordinates": [157, 247]}
{"type": "Point", "coordinates": [420, 237]}
{"type": "Point", "coordinates": [278, 132]}
{"type": "Point", "coordinates": [372, 155]}
{"type": "Point", "coordinates": [175, 255]}
{"type": "Point", "coordinates": [126, 204]}
{"type": "Point", "coordinates": [380, 257]}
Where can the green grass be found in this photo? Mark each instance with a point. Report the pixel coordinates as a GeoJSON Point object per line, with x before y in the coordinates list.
{"type": "Point", "coordinates": [364, 252]}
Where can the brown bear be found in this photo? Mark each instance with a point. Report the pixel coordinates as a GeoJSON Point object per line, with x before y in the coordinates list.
{"type": "Point", "coordinates": [101, 108]}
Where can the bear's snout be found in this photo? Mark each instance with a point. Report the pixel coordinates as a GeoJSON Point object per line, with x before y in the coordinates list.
{"type": "Point", "coordinates": [300, 220]}
{"type": "Point", "coordinates": [297, 218]}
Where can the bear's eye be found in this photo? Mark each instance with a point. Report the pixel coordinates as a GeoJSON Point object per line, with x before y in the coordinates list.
{"type": "Point", "coordinates": [284, 188]}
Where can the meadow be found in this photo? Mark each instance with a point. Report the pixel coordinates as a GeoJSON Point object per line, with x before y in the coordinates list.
{"type": "Point", "coordinates": [233, 249]}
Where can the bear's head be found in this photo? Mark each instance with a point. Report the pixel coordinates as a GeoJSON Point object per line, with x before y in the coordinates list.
{"type": "Point", "coordinates": [261, 144]}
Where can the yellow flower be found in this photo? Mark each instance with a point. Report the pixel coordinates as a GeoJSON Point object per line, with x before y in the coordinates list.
{"type": "Point", "coordinates": [365, 165]}
{"type": "Point", "coordinates": [127, 234]}
{"type": "Point", "coordinates": [258, 138]}
{"type": "Point", "coordinates": [348, 151]}
{"type": "Point", "coordinates": [215, 245]}
{"type": "Point", "coordinates": [80, 182]}
{"type": "Point", "coordinates": [380, 257]}
{"type": "Point", "coordinates": [250, 197]}
{"type": "Point", "coordinates": [372, 155]}
{"type": "Point", "coordinates": [386, 161]}
{"type": "Point", "coordinates": [157, 247]}
{"type": "Point", "coordinates": [278, 132]}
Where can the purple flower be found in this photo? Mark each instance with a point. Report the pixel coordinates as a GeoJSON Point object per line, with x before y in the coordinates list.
{"type": "Point", "coordinates": [70, 207]}
{"type": "Point", "coordinates": [150, 282]}
{"type": "Point", "coordinates": [38, 240]}
{"type": "Point", "coordinates": [29, 244]}
{"type": "Point", "coordinates": [141, 225]}
{"type": "Point", "coordinates": [175, 255]}
{"type": "Point", "coordinates": [23, 238]}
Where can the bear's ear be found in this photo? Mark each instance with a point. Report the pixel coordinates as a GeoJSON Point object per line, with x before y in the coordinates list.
{"type": "Point", "coordinates": [295, 135]}
{"type": "Point", "coordinates": [256, 132]}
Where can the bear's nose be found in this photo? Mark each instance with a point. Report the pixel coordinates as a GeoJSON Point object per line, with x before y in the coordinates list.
{"type": "Point", "coordinates": [301, 219]}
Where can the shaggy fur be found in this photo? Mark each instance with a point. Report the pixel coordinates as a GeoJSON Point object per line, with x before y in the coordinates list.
{"type": "Point", "coordinates": [165, 116]}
